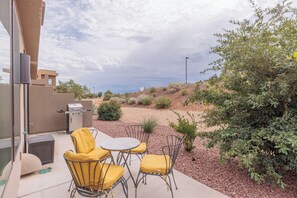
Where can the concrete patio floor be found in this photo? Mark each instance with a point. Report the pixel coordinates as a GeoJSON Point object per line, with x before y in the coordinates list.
{"type": "Point", "coordinates": [56, 183]}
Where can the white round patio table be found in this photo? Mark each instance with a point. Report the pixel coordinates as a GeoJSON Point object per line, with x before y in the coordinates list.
{"type": "Point", "coordinates": [121, 144]}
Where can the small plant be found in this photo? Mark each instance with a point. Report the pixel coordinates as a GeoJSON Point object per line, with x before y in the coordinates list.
{"type": "Point", "coordinates": [163, 103]}
{"type": "Point", "coordinates": [164, 89]}
{"type": "Point", "coordinates": [94, 109]}
{"type": "Point", "coordinates": [132, 101]}
{"type": "Point", "coordinates": [184, 92]}
{"type": "Point", "coordinates": [153, 90]}
{"type": "Point", "coordinates": [154, 95]}
{"type": "Point", "coordinates": [147, 101]}
{"type": "Point", "coordinates": [141, 98]}
{"type": "Point", "coordinates": [149, 124]}
{"type": "Point", "coordinates": [109, 111]}
{"type": "Point", "coordinates": [188, 129]}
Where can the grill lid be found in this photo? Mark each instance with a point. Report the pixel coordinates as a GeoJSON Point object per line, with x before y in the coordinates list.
{"type": "Point", "coordinates": [74, 106]}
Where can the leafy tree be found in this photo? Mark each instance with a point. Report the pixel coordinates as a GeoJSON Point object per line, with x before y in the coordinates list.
{"type": "Point", "coordinates": [255, 95]}
{"type": "Point", "coordinates": [99, 94]}
{"type": "Point", "coordinates": [72, 87]}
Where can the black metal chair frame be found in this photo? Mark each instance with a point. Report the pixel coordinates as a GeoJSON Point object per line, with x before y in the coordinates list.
{"type": "Point", "coordinates": [94, 133]}
{"type": "Point", "coordinates": [94, 190]}
{"type": "Point", "coordinates": [136, 131]}
{"type": "Point", "coordinates": [171, 149]}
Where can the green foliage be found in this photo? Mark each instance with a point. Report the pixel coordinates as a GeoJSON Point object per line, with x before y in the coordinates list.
{"type": "Point", "coordinates": [109, 111]}
{"type": "Point", "coordinates": [153, 90]}
{"type": "Point", "coordinates": [164, 88]}
{"type": "Point", "coordinates": [107, 95]}
{"type": "Point", "coordinates": [147, 101]}
{"type": "Point", "coordinates": [176, 86]}
{"type": "Point", "coordinates": [94, 109]}
{"type": "Point", "coordinates": [90, 95]}
{"type": "Point", "coordinates": [163, 103]}
{"type": "Point", "coordinates": [255, 97]}
{"type": "Point", "coordinates": [99, 94]}
{"type": "Point", "coordinates": [149, 124]}
{"type": "Point", "coordinates": [132, 101]}
{"type": "Point", "coordinates": [188, 129]}
{"type": "Point", "coordinates": [72, 87]}
{"type": "Point", "coordinates": [184, 92]}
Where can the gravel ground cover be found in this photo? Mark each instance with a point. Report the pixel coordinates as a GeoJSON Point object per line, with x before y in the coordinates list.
{"type": "Point", "coordinates": [204, 166]}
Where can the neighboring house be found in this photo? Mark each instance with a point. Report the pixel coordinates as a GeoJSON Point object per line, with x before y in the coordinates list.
{"type": "Point", "coordinates": [46, 78]}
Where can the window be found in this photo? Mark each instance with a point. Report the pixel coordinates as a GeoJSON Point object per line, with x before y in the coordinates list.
{"type": "Point", "coordinates": [6, 102]}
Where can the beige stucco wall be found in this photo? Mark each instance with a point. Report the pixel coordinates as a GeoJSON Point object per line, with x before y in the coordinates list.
{"type": "Point", "coordinates": [44, 105]}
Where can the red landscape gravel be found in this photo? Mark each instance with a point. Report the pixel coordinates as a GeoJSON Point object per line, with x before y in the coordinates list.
{"type": "Point", "coordinates": [204, 166]}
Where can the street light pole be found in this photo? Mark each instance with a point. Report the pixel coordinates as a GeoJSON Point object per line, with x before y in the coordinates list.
{"type": "Point", "coordinates": [94, 89]}
{"type": "Point", "coordinates": [186, 58]}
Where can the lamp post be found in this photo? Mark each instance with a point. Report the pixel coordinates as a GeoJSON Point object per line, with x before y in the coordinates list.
{"type": "Point", "coordinates": [94, 89]}
{"type": "Point", "coordinates": [186, 59]}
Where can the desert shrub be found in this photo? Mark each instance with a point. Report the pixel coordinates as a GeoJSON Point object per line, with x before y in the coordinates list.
{"type": "Point", "coordinates": [109, 111]}
{"type": "Point", "coordinates": [184, 92]}
{"type": "Point", "coordinates": [99, 94]}
{"type": "Point", "coordinates": [107, 95]}
{"type": "Point", "coordinates": [141, 98]}
{"type": "Point", "coordinates": [89, 95]}
{"type": "Point", "coordinates": [154, 95]}
{"type": "Point", "coordinates": [149, 124]}
{"type": "Point", "coordinates": [176, 86]}
{"type": "Point", "coordinates": [163, 103]}
{"type": "Point", "coordinates": [164, 89]}
{"type": "Point", "coordinates": [255, 97]}
{"type": "Point", "coordinates": [132, 101]}
{"type": "Point", "coordinates": [147, 101]}
{"type": "Point", "coordinates": [94, 109]}
{"type": "Point", "coordinates": [118, 100]}
{"type": "Point", "coordinates": [188, 129]}
{"type": "Point", "coordinates": [153, 90]}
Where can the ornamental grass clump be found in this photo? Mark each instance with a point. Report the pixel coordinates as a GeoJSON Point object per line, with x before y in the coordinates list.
{"type": "Point", "coordinates": [109, 111]}
{"type": "Point", "coordinates": [188, 129]}
{"type": "Point", "coordinates": [163, 103]}
{"type": "Point", "coordinates": [149, 124]}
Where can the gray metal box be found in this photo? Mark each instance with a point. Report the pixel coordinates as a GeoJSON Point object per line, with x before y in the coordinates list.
{"type": "Point", "coordinates": [43, 146]}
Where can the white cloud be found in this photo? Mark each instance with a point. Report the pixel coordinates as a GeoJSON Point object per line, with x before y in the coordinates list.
{"type": "Point", "coordinates": [112, 44]}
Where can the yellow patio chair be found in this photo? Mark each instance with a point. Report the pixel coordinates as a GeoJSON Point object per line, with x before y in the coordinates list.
{"type": "Point", "coordinates": [161, 165]}
{"type": "Point", "coordinates": [84, 142]}
{"type": "Point", "coordinates": [137, 132]}
{"type": "Point", "coordinates": [93, 177]}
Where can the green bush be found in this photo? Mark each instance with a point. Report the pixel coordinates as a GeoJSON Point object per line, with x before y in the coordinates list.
{"type": "Point", "coordinates": [107, 97]}
{"type": "Point", "coordinates": [149, 124]}
{"type": "Point", "coordinates": [255, 97]}
{"type": "Point", "coordinates": [132, 101]}
{"type": "Point", "coordinates": [109, 111]}
{"type": "Point", "coordinates": [164, 89]}
{"type": "Point", "coordinates": [163, 103]}
{"type": "Point", "coordinates": [153, 90]}
{"type": "Point", "coordinates": [147, 101]}
{"type": "Point", "coordinates": [99, 94]}
{"type": "Point", "coordinates": [184, 92]}
{"type": "Point", "coordinates": [187, 128]}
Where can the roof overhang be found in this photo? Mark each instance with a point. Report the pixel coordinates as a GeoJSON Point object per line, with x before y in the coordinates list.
{"type": "Point", "coordinates": [31, 16]}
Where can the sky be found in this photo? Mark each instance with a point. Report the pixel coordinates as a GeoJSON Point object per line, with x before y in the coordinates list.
{"type": "Point", "coordinates": [122, 45]}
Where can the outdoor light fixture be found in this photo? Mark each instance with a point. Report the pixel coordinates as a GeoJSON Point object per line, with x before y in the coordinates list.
{"type": "Point", "coordinates": [25, 68]}
{"type": "Point", "coordinates": [186, 58]}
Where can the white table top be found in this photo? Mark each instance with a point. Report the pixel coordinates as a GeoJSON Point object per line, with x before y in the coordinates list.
{"type": "Point", "coordinates": [120, 144]}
